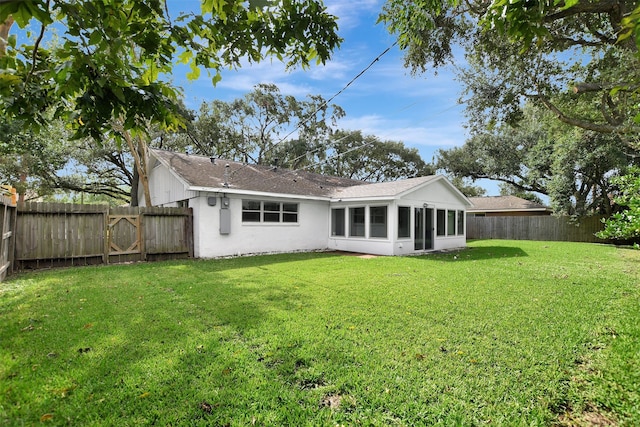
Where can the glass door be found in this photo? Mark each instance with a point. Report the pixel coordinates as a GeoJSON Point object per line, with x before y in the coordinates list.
{"type": "Point", "coordinates": [418, 232]}
{"type": "Point", "coordinates": [423, 229]}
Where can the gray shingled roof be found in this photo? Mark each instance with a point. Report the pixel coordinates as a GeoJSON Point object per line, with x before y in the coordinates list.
{"type": "Point", "coordinates": [382, 189]}
{"type": "Point", "coordinates": [198, 171]}
{"type": "Point", "coordinates": [503, 203]}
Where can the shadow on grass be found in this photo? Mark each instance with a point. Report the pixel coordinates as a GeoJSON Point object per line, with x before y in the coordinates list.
{"type": "Point", "coordinates": [248, 261]}
{"type": "Point", "coordinates": [477, 254]}
{"type": "Point", "coordinates": [133, 345]}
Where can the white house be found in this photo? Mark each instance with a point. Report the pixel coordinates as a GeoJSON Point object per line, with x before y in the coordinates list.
{"type": "Point", "coordinates": [244, 209]}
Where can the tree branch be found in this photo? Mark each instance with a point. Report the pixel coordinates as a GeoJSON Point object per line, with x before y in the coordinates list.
{"type": "Point", "coordinates": [91, 188]}
{"type": "Point", "coordinates": [34, 57]}
{"type": "Point", "coordinates": [596, 87]}
{"type": "Point", "coordinates": [4, 34]}
{"type": "Point", "coordinates": [584, 124]}
{"type": "Point", "coordinates": [511, 181]}
{"type": "Point", "coordinates": [615, 118]}
{"type": "Point", "coordinates": [559, 40]}
{"type": "Point", "coordinates": [603, 6]}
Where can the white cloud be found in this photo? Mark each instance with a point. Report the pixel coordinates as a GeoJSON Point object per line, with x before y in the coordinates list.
{"type": "Point", "coordinates": [444, 133]}
{"type": "Point", "coordinates": [350, 13]}
{"type": "Point", "coordinates": [332, 70]}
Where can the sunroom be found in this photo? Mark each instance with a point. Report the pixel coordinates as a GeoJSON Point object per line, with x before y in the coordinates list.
{"type": "Point", "coordinates": [399, 218]}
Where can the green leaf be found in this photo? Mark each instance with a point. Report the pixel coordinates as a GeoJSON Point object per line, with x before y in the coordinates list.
{"type": "Point", "coordinates": [8, 80]}
{"type": "Point", "coordinates": [194, 74]}
{"type": "Point", "coordinates": [185, 57]}
{"type": "Point", "coordinates": [216, 78]}
{"type": "Point", "coordinates": [95, 38]}
{"type": "Point", "coordinates": [117, 91]}
{"type": "Point", "coordinates": [23, 14]}
{"type": "Point", "coordinates": [219, 5]}
{"type": "Point", "coordinates": [567, 3]}
{"type": "Point", "coordinates": [12, 40]}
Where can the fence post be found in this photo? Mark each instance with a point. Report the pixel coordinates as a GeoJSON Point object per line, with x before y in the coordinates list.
{"type": "Point", "coordinates": [189, 231]}
{"type": "Point", "coordinates": [7, 231]}
{"type": "Point", "coordinates": [141, 234]}
{"type": "Point", "coordinates": [105, 256]}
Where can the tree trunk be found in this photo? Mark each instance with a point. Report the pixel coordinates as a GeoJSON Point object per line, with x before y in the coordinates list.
{"type": "Point", "coordinates": [139, 158]}
{"type": "Point", "coordinates": [23, 180]}
{"type": "Point", "coordinates": [4, 34]}
{"type": "Point", "coordinates": [135, 185]}
{"type": "Point", "coordinates": [142, 171]}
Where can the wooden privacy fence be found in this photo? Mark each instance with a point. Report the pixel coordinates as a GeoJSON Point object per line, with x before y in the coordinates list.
{"type": "Point", "coordinates": [7, 231]}
{"type": "Point", "coordinates": [552, 228]}
{"type": "Point", "coordinates": [59, 234]}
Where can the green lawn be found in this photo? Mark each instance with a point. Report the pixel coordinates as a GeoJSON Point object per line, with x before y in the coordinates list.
{"type": "Point", "coordinates": [502, 333]}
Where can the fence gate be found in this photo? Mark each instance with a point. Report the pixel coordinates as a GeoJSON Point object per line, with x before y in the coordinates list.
{"type": "Point", "coordinates": [60, 234]}
{"type": "Point", "coordinates": [125, 235]}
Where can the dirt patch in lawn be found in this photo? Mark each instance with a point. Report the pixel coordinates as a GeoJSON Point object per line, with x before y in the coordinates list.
{"type": "Point", "coordinates": [355, 254]}
{"type": "Point", "coordinates": [591, 417]}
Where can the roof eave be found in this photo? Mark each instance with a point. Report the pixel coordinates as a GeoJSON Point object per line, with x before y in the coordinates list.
{"type": "Point", "coordinates": [362, 199]}
{"type": "Point", "coordinates": [171, 170]}
{"type": "Point", "coordinates": [230, 190]}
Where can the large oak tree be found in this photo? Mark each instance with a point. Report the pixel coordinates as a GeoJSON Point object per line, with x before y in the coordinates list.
{"type": "Point", "coordinates": [109, 74]}
{"type": "Point", "coordinates": [572, 166]}
{"type": "Point", "coordinates": [550, 53]}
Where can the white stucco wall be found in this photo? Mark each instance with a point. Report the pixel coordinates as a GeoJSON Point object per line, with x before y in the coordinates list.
{"type": "Point", "coordinates": [309, 233]}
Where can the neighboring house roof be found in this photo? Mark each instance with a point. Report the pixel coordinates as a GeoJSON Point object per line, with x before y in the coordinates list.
{"type": "Point", "coordinates": [199, 173]}
{"type": "Point", "coordinates": [504, 204]}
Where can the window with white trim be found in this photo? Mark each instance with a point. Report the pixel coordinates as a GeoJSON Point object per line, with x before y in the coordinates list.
{"type": "Point", "coordinates": [461, 222]}
{"type": "Point", "coordinates": [338, 222]}
{"type": "Point", "coordinates": [404, 222]}
{"type": "Point", "coordinates": [378, 221]}
{"type": "Point", "coordinates": [356, 222]}
{"type": "Point", "coordinates": [269, 211]}
{"type": "Point", "coordinates": [251, 210]}
{"type": "Point", "coordinates": [451, 223]}
{"type": "Point", "coordinates": [441, 217]}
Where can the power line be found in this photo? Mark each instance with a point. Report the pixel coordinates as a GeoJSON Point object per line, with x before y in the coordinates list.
{"type": "Point", "coordinates": [337, 155]}
{"type": "Point", "coordinates": [325, 103]}
{"type": "Point", "coordinates": [308, 116]}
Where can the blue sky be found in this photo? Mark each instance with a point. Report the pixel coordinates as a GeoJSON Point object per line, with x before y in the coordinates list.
{"type": "Point", "coordinates": [387, 101]}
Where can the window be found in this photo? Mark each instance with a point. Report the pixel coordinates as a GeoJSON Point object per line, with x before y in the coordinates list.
{"type": "Point", "coordinates": [289, 212]}
{"type": "Point", "coordinates": [356, 222]}
{"type": "Point", "coordinates": [451, 223]}
{"type": "Point", "coordinates": [250, 211]}
{"type": "Point", "coordinates": [378, 221]}
{"type": "Point", "coordinates": [404, 222]}
{"type": "Point", "coordinates": [460, 222]}
{"type": "Point", "coordinates": [440, 225]}
{"type": "Point", "coordinates": [272, 212]}
{"type": "Point", "coordinates": [337, 222]}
